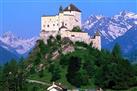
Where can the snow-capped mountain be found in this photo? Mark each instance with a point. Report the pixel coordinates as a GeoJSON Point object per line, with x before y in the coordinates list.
{"type": "Point", "coordinates": [128, 41]}
{"type": "Point", "coordinates": [110, 28]}
{"type": "Point", "coordinates": [16, 44]}
{"type": "Point", "coordinates": [128, 44]}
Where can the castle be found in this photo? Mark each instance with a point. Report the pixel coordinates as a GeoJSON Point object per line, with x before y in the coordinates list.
{"type": "Point", "coordinates": [63, 23]}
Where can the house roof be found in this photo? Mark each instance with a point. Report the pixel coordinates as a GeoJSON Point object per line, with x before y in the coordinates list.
{"type": "Point", "coordinates": [58, 87]}
{"type": "Point", "coordinates": [71, 7]}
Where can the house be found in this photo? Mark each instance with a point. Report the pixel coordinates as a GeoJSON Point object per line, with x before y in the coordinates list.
{"type": "Point", "coordinates": [56, 87]}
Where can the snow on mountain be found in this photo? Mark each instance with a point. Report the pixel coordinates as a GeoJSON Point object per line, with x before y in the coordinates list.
{"type": "Point", "coordinates": [126, 15]}
{"type": "Point", "coordinates": [128, 42]}
{"type": "Point", "coordinates": [110, 27]}
{"type": "Point", "coordinates": [20, 45]}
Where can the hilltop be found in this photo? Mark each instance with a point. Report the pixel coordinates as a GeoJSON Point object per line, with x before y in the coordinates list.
{"type": "Point", "coordinates": [74, 65]}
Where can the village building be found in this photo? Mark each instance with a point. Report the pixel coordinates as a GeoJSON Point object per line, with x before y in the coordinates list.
{"type": "Point", "coordinates": [56, 87]}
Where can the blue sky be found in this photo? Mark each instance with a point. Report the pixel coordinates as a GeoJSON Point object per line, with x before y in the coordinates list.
{"type": "Point", "coordinates": [22, 17]}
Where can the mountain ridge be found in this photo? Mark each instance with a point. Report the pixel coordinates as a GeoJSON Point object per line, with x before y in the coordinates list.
{"type": "Point", "coordinates": [110, 27]}
{"type": "Point", "coordinates": [6, 55]}
{"type": "Point", "coordinates": [20, 45]}
{"type": "Point", "coordinates": [15, 47]}
{"type": "Point", "coordinates": [111, 30]}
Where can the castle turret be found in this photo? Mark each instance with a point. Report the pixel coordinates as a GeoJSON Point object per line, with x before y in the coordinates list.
{"type": "Point", "coordinates": [98, 40]}
{"type": "Point", "coordinates": [72, 10]}
{"type": "Point", "coordinates": [60, 9]}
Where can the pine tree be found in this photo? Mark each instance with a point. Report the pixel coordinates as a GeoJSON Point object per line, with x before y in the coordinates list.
{"type": "Point", "coordinates": [116, 52]}
{"type": "Point", "coordinates": [72, 71]}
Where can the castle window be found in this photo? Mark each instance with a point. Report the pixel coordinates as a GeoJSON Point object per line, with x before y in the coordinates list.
{"type": "Point", "coordinates": [65, 24]}
{"type": "Point", "coordinates": [57, 24]}
{"type": "Point", "coordinates": [47, 25]}
{"type": "Point", "coordinates": [72, 35]}
{"type": "Point", "coordinates": [53, 24]}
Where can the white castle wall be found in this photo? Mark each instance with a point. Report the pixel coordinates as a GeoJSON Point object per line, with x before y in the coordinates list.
{"type": "Point", "coordinates": [96, 42]}
{"type": "Point", "coordinates": [49, 23]}
{"type": "Point", "coordinates": [76, 36]}
{"type": "Point", "coordinates": [82, 37]}
{"type": "Point", "coordinates": [68, 21]}
{"type": "Point", "coordinates": [53, 23]}
{"type": "Point", "coordinates": [76, 18]}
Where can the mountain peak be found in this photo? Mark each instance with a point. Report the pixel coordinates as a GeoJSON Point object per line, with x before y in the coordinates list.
{"type": "Point", "coordinates": [128, 14]}
{"type": "Point", "coordinates": [8, 34]}
{"type": "Point", "coordinates": [110, 27]}
{"type": "Point", "coordinates": [20, 45]}
{"type": "Point", "coordinates": [124, 12]}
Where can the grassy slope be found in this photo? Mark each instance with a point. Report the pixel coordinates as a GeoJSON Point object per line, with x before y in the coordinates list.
{"type": "Point", "coordinates": [47, 75]}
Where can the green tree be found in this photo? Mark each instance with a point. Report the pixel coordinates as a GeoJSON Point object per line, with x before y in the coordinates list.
{"type": "Point", "coordinates": [72, 71]}
{"type": "Point", "coordinates": [32, 70]}
{"type": "Point", "coordinates": [58, 37]}
{"type": "Point", "coordinates": [55, 72]}
{"type": "Point", "coordinates": [82, 44]}
{"type": "Point", "coordinates": [64, 60]}
{"type": "Point", "coordinates": [13, 78]}
{"type": "Point", "coordinates": [116, 51]}
{"type": "Point", "coordinates": [37, 60]}
{"type": "Point", "coordinates": [1, 81]}
{"type": "Point", "coordinates": [21, 64]}
{"type": "Point", "coordinates": [43, 47]}
{"type": "Point", "coordinates": [56, 75]}
{"type": "Point", "coordinates": [60, 9]}
{"type": "Point", "coordinates": [74, 64]}
{"type": "Point", "coordinates": [76, 29]}
{"type": "Point", "coordinates": [50, 41]}
{"type": "Point", "coordinates": [89, 67]}
{"type": "Point", "coordinates": [41, 73]}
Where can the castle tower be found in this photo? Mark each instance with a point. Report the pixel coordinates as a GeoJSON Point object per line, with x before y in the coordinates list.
{"type": "Point", "coordinates": [71, 16]}
{"type": "Point", "coordinates": [98, 40]}
{"type": "Point", "coordinates": [75, 16]}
